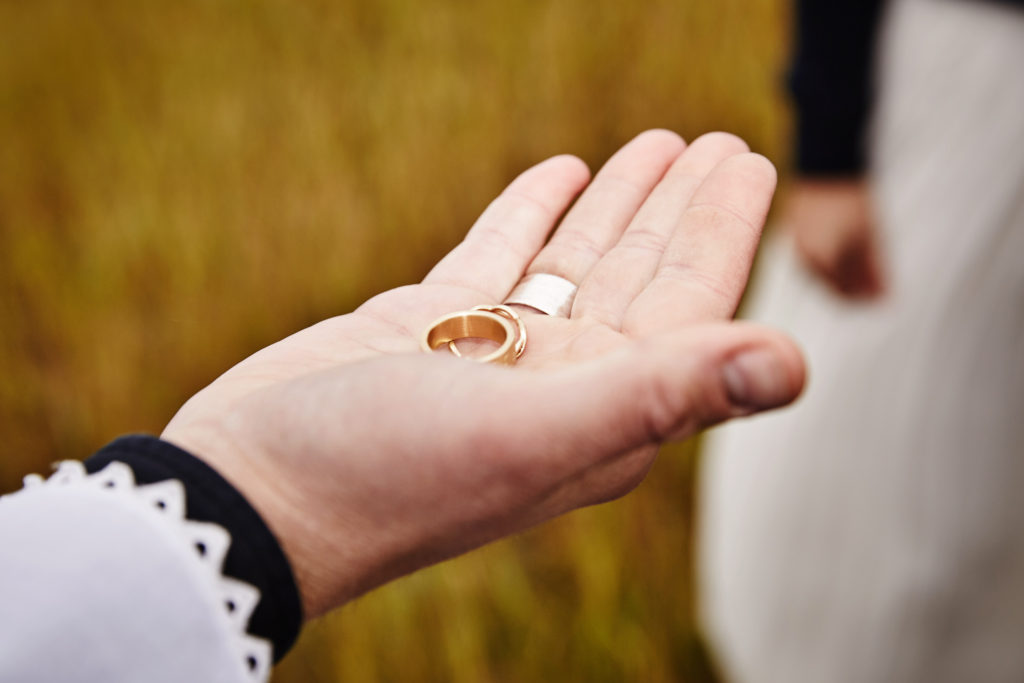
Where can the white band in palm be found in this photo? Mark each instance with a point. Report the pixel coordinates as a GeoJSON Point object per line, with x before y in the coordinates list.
{"type": "Point", "coordinates": [544, 292]}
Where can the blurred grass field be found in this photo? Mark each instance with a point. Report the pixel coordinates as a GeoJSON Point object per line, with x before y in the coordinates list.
{"type": "Point", "coordinates": [184, 182]}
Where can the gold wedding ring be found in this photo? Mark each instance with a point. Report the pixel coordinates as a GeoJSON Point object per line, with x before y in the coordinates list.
{"type": "Point", "coordinates": [498, 324]}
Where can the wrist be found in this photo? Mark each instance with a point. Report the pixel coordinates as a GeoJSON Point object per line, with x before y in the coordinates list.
{"type": "Point", "coordinates": [329, 567]}
{"type": "Point", "coordinates": [234, 462]}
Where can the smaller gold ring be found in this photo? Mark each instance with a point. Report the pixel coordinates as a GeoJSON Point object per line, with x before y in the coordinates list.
{"type": "Point", "coordinates": [480, 324]}
{"type": "Point", "coordinates": [506, 312]}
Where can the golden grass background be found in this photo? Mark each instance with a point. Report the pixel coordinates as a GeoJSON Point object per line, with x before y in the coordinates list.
{"type": "Point", "coordinates": [183, 182]}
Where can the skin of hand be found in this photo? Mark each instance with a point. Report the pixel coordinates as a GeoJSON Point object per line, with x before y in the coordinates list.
{"type": "Point", "coordinates": [833, 225]}
{"type": "Point", "coordinates": [370, 458]}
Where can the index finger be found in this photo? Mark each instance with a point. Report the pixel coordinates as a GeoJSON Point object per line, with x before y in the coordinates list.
{"type": "Point", "coordinates": [511, 231]}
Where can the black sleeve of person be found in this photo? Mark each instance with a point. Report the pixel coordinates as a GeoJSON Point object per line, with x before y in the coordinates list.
{"type": "Point", "coordinates": [830, 79]}
{"type": "Point", "coordinates": [254, 556]}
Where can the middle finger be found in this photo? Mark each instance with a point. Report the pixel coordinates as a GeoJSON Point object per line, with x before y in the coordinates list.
{"type": "Point", "coordinates": [601, 214]}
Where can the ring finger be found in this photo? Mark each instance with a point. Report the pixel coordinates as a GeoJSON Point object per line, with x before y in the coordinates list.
{"type": "Point", "coordinates": [631, 264]}
{"type": "Point", "coordinates": [598, 219]}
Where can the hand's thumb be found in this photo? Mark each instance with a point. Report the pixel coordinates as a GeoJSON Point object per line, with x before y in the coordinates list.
{"type": "Point", "coordinates": [669, 387]}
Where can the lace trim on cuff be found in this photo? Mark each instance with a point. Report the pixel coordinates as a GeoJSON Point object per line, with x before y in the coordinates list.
{"type": "Point", "coordinates": [208, 542]}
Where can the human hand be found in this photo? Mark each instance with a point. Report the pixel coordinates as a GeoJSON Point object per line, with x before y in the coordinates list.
{"type": "Point", "coordinates": [835, 235]}
{"type": "Point", "coordinates": [369, 458]}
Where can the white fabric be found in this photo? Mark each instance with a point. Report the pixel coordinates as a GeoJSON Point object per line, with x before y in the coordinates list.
{"type": "Point", "coordinates": [875, 532]}
{"type": "Point", "coordinates": [101, 580]}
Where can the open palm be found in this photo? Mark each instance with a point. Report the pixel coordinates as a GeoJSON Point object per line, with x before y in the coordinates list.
{"type": "Point", "coordinates": [370, 458]}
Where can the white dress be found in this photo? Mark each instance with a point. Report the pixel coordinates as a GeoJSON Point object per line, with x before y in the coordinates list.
{"type": "Point", "coordinates": [875, 531]}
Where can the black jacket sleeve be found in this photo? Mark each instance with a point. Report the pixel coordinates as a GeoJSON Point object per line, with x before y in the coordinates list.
{"type": "Point", "coordinates": [831, 84]}
{"type": "Point", "coordinates": [254, 556]}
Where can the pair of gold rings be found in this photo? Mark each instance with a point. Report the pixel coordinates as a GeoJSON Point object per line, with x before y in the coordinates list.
{"type": "Point", "coordinates": [548, 294]}
{"type": "Point", "coordinates": [497, 323]}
